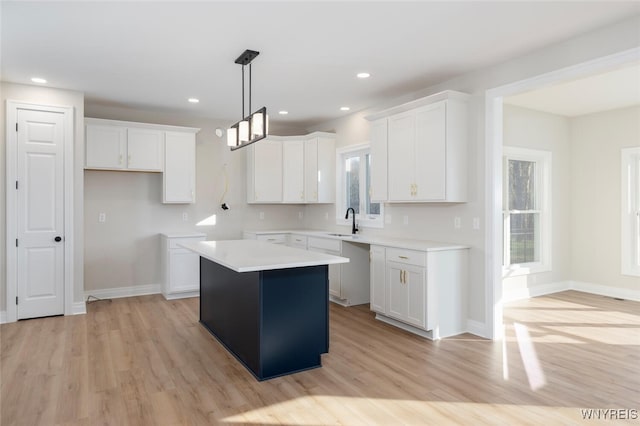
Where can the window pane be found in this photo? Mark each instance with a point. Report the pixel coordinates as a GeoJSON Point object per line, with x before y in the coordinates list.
{"type": "Point", "coordinates": [525, 237]}
{"type": "Point", "coordinates": [522, 178]}
{"type": "Point", "coordinates": [352, 182]}
{"type": "Point", "coordinates": [372, 208]}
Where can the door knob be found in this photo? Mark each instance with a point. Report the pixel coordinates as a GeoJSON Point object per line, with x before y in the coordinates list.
{"type": "Point", "coordinates": [58, 239]}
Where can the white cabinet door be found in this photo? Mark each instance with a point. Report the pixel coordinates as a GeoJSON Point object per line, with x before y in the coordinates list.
{"type": "Point", "coordinates": [184, 271]}
{"type": "Point", "coordinates": [145, 149]}
{"type": "Point", "coordinates": [293, 157]}
{"type": "Point", "coordinates": [406, 287]}
{"type": "Point", "coordinates": [379, 160]}
{"type": "Point", "coordinates": [179, 176]}
{"type": "Point", "coordinates": [401, 156]}
{"type": "Point", "coordinates": [430, 152]}
{"type": "Point", "coordinates": [326, 170]}
{"type": "Point", "coordinates": [311, 170]}
{"type": "Point", "coordinates": [335, 282]}
{"type": "Point", "coordinates": [397, 292]}
{"type": "Point", "coordinates": [377, 279]}
{"type": "Point", "coordinates": [267, 169]}
{"type": "Point", "coordinates": [105, 147]}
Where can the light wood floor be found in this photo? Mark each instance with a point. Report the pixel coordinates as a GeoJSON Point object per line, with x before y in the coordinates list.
{"type": "Point", "coordinates": [146, 361]}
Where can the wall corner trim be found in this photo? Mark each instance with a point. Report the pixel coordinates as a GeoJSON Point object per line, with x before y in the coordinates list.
{"type": "Point", "coordinates": [477, 328]}
{"type": "Point", "coordinates": [78, 308]}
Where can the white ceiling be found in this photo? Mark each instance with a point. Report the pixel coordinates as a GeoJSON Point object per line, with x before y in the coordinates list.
{"type": "Point", "coordinates": [155, 55]}
{"type": "Point", "coordinates": [601, 92]}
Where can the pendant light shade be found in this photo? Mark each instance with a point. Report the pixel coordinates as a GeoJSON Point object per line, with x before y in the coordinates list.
{"type": "Point", "coordinates": [255, 126]}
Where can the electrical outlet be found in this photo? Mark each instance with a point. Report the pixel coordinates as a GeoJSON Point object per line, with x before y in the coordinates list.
{"type": "Point", "coordinates": [261, 215]}
{"type": "Point", "coordinates": [300, 215]}
{"type": "Point", "coordinates": [326, 216]}
{"type": "Point", "coordinates": [185, 217]}
{"type": "Point", "coordinates": [476, 223]}
{"type": "Point", "coordinates": [387, 219]}
{"type": "Point", "coordinates": [102, 217]}
{"type": "Point", "coordinates": [405, 219]}
{"type": "Point", "coordinates": [457, 222]}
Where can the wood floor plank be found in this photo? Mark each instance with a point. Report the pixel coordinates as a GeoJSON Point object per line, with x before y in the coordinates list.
{"type": "Point", "coordinates": [145, 360]}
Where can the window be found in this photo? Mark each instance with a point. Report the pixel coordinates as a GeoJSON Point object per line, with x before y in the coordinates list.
{"type": "Point", "coordinates": [354, 179]}
{"type": "Point", "coordinates": [527, 211]}
{"type": "Point", "coordinates": [630, 180]}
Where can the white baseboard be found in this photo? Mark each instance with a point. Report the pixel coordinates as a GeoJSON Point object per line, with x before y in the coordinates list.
{"type": "Point", "coordinates": [476, 327]}
{"type": "Point", "coordinates": [3, 317]}
{"type": "Point", "coordinates": [535, 291]}
{"type": "Point", "coordinates": [78, 308]}
{"type": "Point", "coordinates": [115, 293]}
{"type": "Point", "coordinates": [604, 290]}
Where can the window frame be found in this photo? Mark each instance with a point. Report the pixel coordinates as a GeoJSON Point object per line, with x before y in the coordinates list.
{"type": "Point", "coordinates": [543, 195]}
{"type": "Point", "coordinates": [370, 221]}
{"type": "Point", "coordinates": [630, 211]}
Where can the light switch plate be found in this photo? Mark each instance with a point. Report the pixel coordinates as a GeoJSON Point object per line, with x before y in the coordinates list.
{"type": "Point", "coordinates": [102, 217]}
{"type": "Point", "coordinates": [476, 223]}
{"type": "Point", "coordinates": [300, 215]}
{"type": "Point", "coordinates": [326, 216]}
{"type": "Point", "coordinates": [457, 222]}
{"type": "Point", "coordinates": [405, 219]}
{"type": "Point", "coordinates": [261, 215]}
{"type": "Point", "coordinates": [185, 217]}
{"type": "Point", "coordinates": [387, 219]}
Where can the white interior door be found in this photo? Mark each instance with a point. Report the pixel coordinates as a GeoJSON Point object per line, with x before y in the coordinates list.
{"type": "Point", "coordinates": [40, 214]}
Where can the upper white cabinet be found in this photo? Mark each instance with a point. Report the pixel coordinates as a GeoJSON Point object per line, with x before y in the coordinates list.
{"type": "Point", "coordinates": [292, 169]}
{"type": "Point", "coordinates": [179, 178]}
{"type": "Point", "coordinates": [142, 147]}
{"type": "Point", "coordinates": [264, 171]}
{"type": "Point", "coordinates": [419, 150]}
{"type": "Point", "coordinates": [320, 169]}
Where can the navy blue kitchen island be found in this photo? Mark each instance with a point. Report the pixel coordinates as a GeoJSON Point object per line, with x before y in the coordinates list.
{"type": "Point", "coordinates": [267, 304]}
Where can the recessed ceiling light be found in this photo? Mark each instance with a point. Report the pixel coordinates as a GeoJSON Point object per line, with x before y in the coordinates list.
{"type": "Point", "coordinates": [344, 108]}
{"type": "Point", "coordinates": [363, 75]}
{"type": "Point", "coordinates": [193, 100]}
{"type": "Point", "coordinates": [38, 80]}
{"type": "Point", "coordinates": [283, 112]}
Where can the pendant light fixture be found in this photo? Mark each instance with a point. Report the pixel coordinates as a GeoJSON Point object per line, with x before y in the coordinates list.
{"type": "Point", "coordinates": [252, 127]}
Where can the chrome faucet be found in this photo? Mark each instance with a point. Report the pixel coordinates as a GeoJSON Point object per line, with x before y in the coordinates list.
{"type": "Point", "coordinates": [353, 216]}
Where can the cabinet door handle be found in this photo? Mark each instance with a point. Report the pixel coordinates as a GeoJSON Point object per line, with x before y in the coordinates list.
{"type": "Point", "coordinates": [400, 276]}
{"type": "Point", "coordinates": [404, 276]}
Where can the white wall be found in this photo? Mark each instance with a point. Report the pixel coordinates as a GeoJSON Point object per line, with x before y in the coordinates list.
{"type": "Point", "coordinates": [596, 141]}
{"type": "Point", "coordinates": [527, 128]}
{"type": "Point", "coordinates": [51, 97]}
{"type": "Point", "coordinates": [125, 250]}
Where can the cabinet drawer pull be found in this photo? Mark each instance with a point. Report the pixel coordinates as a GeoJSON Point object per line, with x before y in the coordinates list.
{"type": "Point", "coordinates": [403, 257]}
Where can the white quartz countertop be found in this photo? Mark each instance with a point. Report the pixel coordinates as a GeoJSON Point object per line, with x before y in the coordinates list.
{"type": "Point", "coordinates": [252, 255]}
{"type": "Point", "coordinates": [404, 243]}
{"type": "Point", "coordinates": [183, 234]}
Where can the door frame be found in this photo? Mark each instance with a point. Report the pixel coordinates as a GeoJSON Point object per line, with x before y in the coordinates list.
{"type": "Point", "coordinates": [11, 292]}
{"type": "Point", "coordinates": [493, 166]}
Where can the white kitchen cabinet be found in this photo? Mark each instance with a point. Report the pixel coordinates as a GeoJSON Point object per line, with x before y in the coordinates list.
{"type": "Point", "coordinates": [264, 171]}
{"type": "Point", "coordinates": [426, 144]}
{"type": "Point", "coordinates": [113, 147]}
{"type": "Point", "coordinates": [293, 165]}
{"type": "Point", "coordinates": [319, 168]}
{"type": "Point", "coordinates": [273, 238]}
{"type": "Point", "coordinates": [105, 147]}
{"type": "Point", "coordinates": [145, 149]}
{"type": "Point", "coordinates": [181, 272]}
{"type": "Point", "coordinates": [406, 291]}
{"type": "Point", "coordinates": [297, 241]}
{"type": "Point", "coordinates": [179, 177]}
{"type": "Point", "coordinates": [379, 160]}
{"type": "Point", "coordinates": [377, 277]}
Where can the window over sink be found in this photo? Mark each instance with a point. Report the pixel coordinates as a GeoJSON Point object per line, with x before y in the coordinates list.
{"type": "Point", "coordinates": [354, 187]}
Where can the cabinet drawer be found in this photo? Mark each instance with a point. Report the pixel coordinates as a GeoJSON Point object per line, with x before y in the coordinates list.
{"type": "Point", "coordinates": [298, 240]}
{"type": "Point", "coordinates": [325, 244]}
{"type": "Point", "coordinates": [409, 257]}
{"type": "Point", "coordinates": [174, 243]}
{"type": "Point", "coordinates": [273, 238]}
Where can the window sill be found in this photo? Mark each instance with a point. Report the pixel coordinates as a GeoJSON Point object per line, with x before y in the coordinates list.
{"type": "Point", "coordinates": [525, 269]}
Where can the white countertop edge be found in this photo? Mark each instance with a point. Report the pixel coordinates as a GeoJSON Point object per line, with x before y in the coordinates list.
{"type": "Point", "coordinates": [183, 234]}
{"type": "Point", "coordinates": [291, 258]}
{"type": "Point", "coordinates": [403, 243]}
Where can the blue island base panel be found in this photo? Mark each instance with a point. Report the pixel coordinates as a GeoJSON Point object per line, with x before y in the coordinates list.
{"type": "Point", "coordinates": [274, 322]}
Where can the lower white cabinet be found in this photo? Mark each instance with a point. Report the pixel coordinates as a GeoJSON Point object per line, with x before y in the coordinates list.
{"type": "Point", "coordinates": [421, 292]}
{"type": "Point", "coordinates": [297, 241]}
{"type": "Point", "coordinates": [181, 272]}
